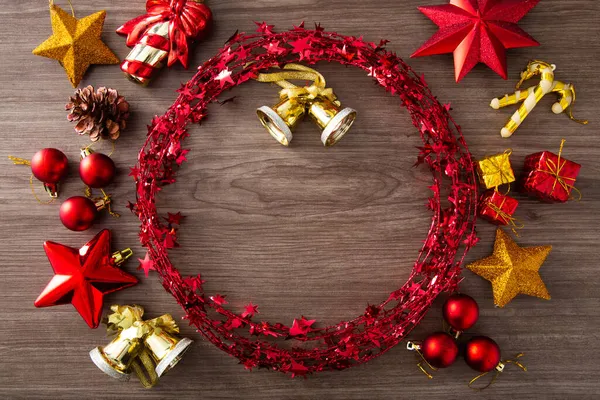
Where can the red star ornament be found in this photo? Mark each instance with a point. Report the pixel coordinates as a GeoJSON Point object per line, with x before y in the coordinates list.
{"type": "Point", "coordinates": [83, 276]}
{"type": "Point", "coordinates": [477, 31]}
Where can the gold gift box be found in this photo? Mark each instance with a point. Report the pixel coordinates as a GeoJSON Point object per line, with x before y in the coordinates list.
{"type": "Point", "coordinates": [495, 170]}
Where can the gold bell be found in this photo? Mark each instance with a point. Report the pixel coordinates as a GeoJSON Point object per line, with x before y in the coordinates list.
{"type": "Point", "coordinates": [166, 349]}
{"type": "Point", "coordinates": [115, 359]}
{"type": "Point", "coordinates": [315, 99]}
{"type": "Point", "coordinates": [331, 118]}
{"type": "Point", "coordinates": [282, 118]}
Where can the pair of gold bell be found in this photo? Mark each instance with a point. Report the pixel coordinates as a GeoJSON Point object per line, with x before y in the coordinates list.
{"type": "Point", "coordinates": [316, 100]}
{"type": "Point", "coordinates": [164, 347]}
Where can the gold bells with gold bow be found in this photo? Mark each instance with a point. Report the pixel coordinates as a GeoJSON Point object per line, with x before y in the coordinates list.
{"type": "Point", "coordinates": [148, 348]}
{"type": "Point", "coordinates": [316, 100]}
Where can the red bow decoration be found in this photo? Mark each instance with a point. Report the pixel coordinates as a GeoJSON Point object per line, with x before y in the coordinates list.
{"type": "Point", "coordinates": [188, 19]}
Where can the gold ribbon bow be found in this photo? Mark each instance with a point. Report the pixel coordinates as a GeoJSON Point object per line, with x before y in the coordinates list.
{"type": "Point", "coordinates": [555, 169]}
{"type": "Point", "coordinates": [301, 93]}
{"type": "Point", "coordinates": [499, 369]}
{"type": "Point", "coordinates": [130, 317]}
{"type": "Point", "coordinates": [416, 347]}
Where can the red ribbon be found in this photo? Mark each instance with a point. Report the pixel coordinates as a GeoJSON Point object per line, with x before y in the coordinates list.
{"type": "Point", "coordinates": [187, 19]}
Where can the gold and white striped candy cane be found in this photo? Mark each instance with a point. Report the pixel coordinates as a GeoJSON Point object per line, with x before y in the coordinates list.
{"type": "Point", "coordinates": [566, 99]}
{"type": "Point", "coordinates": [530, 97]}
{"type": "Point", "coordinates": [566, 93]}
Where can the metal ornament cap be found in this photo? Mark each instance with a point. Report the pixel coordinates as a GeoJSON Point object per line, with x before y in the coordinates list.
{"type": "Point", "coordinates": [104, 365]}
{"type": "Point", "coordinates": [275, 125]}
{"type": "Point", "coordinates": [338, 126]}
{"type": "Point", "coordinates": [173, 357]}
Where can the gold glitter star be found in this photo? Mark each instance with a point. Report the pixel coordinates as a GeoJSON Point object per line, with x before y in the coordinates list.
{"type": "Point", "coordinates": [76, 43]}
{"type": "Point", "coordinates": [512, 269]}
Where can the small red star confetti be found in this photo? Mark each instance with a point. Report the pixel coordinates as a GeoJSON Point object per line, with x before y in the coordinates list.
{"type": "Point", "coordinates": [194, 282]}
{"type": "Point", "coordinates": [146, 264]}
{"type": "Point", "coordinates": [250, 310]}
{"type": "Point", "coordinates": [301, 46]}
{"type": "Point", "coordinates": [218, 299]}
{"type": "Point", "coordinates": [477, 31]}
{"type": "Point", "coordinates": [135, 172]}
{"type": "Point", "coordinates": [224, 77]}
{"type": "Point", "coordinates": [241, 53]}
{"type": "Point", "coordinates": [263, 27]}
{"type": "Point", "coordinates": [181, 158]}
{"type": "Point", "coordinates": [273, 48]}
{"type": "Point", "coordinates": [301, 326]}
{"type": "Point", "coordinates": [174, 218]}
{"type": "Point", "coordinates": [297, 369]}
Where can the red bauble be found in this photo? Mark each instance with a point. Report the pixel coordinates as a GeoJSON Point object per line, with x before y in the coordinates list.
{"type": "Point", "coordinates": [439, 349]}
{"type": "Point", "coordinates": [461, 311]}
{"type": "Point", "coordinates": [482, 354]}
{"type": "Point", "coordinates": [97, 170]}
{"type": "Point", "coordinates": [49, 165]}
{"type": "Point", "coordinates": [78, 213]}
{"type": "Point", "coordinates": [83, 276]}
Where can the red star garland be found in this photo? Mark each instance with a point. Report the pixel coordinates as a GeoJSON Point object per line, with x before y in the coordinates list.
{"type": "Point", "coordinates": [275, 345]}
{"type": "Point", "coordinates": [477, 31]}
{"type": "Point", "coordinates": [83, 276]}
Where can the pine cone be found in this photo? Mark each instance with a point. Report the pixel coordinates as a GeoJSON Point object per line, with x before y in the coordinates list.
{"type": "Point", "coordinates": [101, 114]}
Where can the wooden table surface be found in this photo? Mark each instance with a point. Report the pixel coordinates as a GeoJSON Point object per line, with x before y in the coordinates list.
{"type": "Point", "coordinates": [302, 230]}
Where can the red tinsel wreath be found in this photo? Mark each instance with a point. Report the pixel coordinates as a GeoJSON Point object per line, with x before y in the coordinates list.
{"type": "Point", "coordinates": [380, 327]}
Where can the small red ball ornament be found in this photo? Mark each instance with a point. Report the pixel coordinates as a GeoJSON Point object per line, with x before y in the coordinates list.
{"type": "Point", "coordinates": [78, 213]}
{"type": "Point", "coordinates": [49, 165]}
{"type": "Point", "coordinates": [96, 170]}
{"type": "Point", "coordinates": [439, 349]}
{"type": "Point", "coordinates": [461, 312]}
{"type": "Point", "coordinates": [482, 354]}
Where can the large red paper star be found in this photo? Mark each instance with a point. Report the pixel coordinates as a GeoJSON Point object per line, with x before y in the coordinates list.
{"type": "Point", "coordinates": [477, 31]}
{"type": "Point", "coordinates": [83, 276]}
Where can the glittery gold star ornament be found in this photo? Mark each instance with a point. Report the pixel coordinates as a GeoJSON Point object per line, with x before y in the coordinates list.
{"type": "Point", "coordinates": [512, 269]}
{"type": "Point", "coordinates": [76, 43]}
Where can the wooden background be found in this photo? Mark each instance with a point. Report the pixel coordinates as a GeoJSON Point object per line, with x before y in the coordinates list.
{"type": "Point", "coordinates": [302, 230]}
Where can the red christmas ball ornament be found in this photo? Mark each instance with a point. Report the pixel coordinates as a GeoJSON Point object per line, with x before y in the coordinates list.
{"type": "Point", "coordinates": [49, 165]}
{"type": "Point", "coordinates": [461, 312]}
{"type": "Point", "coordinates": [96, 170]}
{"type": "Point", "coordinates": [482, 353]}
{"type": "Point", "coordinates": [439, 349]}
{"type": "Point", "coordinates": [78, 213]}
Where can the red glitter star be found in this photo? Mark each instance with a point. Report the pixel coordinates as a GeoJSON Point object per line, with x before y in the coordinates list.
{"type": "Point", "coordinates": [477, 31]}
{"type": "Point", "coordinates": [83, 276]}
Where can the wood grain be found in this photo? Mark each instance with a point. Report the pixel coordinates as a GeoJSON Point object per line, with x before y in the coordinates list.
{"type": "Point", "coordinates": [305, 230]}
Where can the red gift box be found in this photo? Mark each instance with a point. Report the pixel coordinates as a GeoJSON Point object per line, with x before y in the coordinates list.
{"type": "Point", "coordinates": [498, 208]}
{"type": "Point", "coordinates": [550, 177]}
